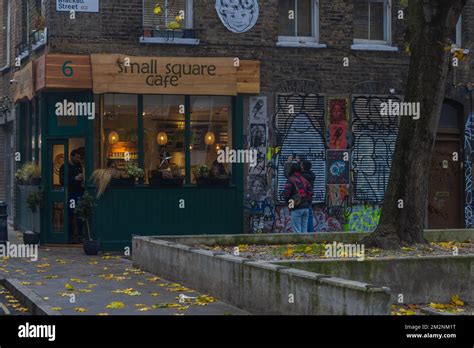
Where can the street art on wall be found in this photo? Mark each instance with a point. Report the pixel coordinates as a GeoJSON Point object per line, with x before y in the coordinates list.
{"type": "Point", "coordinates": [337, 167]}
{"type": "Point", "coordinates": [258, 135]}
{"type": "Point", "coordinates": [338, 195]}
{"type": "Point", "coordinates": [374, 145]}
{"type": "Point", "coordinates": [362, 218]}
{"type": "Point", "coordinates": [338, 124]}
{"type": "Point", "coordinates": [323, 221]}
{"type": "Point", "coordinates": [468, 158]}
{"type": "Point", "coordinates": [299, 125]}
{"type": "Point", "coordinates": [238, 16]}
{"type": "Point", "coordinates": [258, 110]}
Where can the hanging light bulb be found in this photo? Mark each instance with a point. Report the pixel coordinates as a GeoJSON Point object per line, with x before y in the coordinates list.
{"type": "Point", "coordinates": [210, 138]}
{"type": "Point", "coordinates": [113, 138]}
{"type": "Point", "coordinates": [162, 138]}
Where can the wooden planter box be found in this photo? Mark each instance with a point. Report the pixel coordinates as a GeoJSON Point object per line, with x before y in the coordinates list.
{"type": "Point", "coordinates": [213, 182]}
{"type": "Point", "coordinates": [174, 182]}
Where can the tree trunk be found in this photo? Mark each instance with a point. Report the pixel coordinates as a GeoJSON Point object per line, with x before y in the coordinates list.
{"type": "Point", "coordinates": [431, 23]}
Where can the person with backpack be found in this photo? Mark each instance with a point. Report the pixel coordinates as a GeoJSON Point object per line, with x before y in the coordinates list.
{"type": "Point", "coordinates": [298, 194]}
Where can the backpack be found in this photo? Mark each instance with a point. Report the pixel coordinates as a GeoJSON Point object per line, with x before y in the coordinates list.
{"type": "Point", "coordinates": [299, 198]}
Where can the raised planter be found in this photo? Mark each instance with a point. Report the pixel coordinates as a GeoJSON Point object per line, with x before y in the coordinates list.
{"type": "Point", "coordinates": [213, 182]}
{"type": "Point", "coordinates": [259, 287]}
{"type": "Point", "coordinates": [174, 182]}
{"type": "Point", "coordinates": [31, 238]}
{"type": "Point", "coordinates": [123, 182]}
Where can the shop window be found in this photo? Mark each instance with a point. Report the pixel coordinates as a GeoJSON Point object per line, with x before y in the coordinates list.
{"type": "Point", "coordinates": [210, 132]}
{"type": "Point", "coordinates": [298, 21]}
{"type": "Point", "coordinates": [168, 21]}
{"type": "Point", "coordinates": [164, 136]}
{"type": "Point", "coordinates": [120, 130]}
{"type": "Point", "coordinates": [372, 22]}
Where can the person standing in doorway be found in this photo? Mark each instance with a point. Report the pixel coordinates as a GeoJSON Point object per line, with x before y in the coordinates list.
{"type": "Point", "coordinates": [75, 190]}
{"type": "Point", "coordinates": [298, 194]}
{"type": "Point", "coordinates": [308, 174]}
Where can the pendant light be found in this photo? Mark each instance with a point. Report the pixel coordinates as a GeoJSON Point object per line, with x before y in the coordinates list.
{"type": "Point", "coordinates": [113, 135]}
{"type": "Point", "coordinates": [162, 138]}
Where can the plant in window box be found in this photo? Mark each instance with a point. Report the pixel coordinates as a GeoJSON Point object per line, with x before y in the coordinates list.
{"type": "Point", "coordinates": [29, 174]}
{"type": "Point", "coordinates": [84, 211]}
{"type": "Point", "coordinates": [201, 173]}
{"type": "Point", "coordinates": [170, 177]}
{"type": "Point", "coordinates": [130, 175]}
{"type": "Point", "coordinates": [147, 32]}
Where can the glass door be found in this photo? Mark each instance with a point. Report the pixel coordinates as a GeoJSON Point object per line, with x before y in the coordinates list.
{"type": "Point", "coordinates": [57, 212]}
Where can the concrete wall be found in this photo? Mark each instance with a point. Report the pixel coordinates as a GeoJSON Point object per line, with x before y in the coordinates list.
{"type": "Point", "coordinates": [419, 280]}
{"type": "Point", "coordinates": [259, 287]}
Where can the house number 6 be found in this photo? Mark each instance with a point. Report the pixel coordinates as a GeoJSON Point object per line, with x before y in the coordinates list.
{"type": "Point", "coordinates": [67, 70]}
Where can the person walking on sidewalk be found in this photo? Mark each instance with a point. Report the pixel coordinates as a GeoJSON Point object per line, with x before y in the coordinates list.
{"type": "Point", "coordinates": [308, 174]}
{"type": "Point", "coordinates": [298, 194]}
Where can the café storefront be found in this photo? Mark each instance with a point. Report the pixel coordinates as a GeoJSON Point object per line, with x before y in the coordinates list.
{"type": "Point", "coordinates": [166, 117]}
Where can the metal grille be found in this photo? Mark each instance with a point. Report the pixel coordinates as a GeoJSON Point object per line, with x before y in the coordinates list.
{"type": "Point", "coordinates": [374, 137]}
{"type": "Point", "coordinates": [303, 133]}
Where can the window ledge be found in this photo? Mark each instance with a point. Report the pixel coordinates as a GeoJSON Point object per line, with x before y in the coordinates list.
{"type": "Point", "coordinates": [170, 41]}
{"type": "Point", "coordinates": [300, 44]}
{"type": "Point", "coordinates": [369, 47]}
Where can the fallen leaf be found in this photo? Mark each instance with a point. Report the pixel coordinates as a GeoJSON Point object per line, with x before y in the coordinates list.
{"type": "Point", "coordinates": [456, 301]}
{"type": "Point", "coordinates": [56, 309]}
{"type": "Point", "coordinates": [69, 287]}
{"type": "Point", "coordinates": [115, 305]}
{"type": "Point", "coordinates": [80, 310]}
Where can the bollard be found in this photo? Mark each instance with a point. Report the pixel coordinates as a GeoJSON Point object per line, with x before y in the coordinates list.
{"type": "Point", "coordinates": [3, 223]}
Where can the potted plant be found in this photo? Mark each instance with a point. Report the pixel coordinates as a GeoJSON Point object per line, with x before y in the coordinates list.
{"type": "Point", "coordinates": [201, 173]}
{"type": "Point", "coordinates": [34, 201]}
{"type": "Point", "coordinates": [84, 211]}
{"type": "Point", "coordinates": [170, 177]}
{"type": "Point", "coordinates": [147, 32]}
{"type": "Point", "coordinates": [129, 176]}
{"type": "Point", "coordinates": [101, 179]}
{"type": "Point", "coordinates": [29, 174]}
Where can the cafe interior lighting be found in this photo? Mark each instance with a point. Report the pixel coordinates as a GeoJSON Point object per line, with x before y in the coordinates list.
{"type": "Point", "coordinates": [210, 138]}
{"type": "Point", "coordinates": [113, 138]}
{"type": "Point", "coordinates": [162, 138]}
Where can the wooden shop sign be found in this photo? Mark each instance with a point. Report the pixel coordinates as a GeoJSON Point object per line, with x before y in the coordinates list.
{"type": "Point", "coordinates": [23, 83]}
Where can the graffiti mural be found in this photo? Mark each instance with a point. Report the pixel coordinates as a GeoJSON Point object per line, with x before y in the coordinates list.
{"type": "Point", "coordinates": [338, 124]}
{"type": "Point", "coordinates": [300, 128]}
{"type": "Point", "coordinates": [338, 195]}
{"type": "Point", "coordinates": [468, 157]}
{"type": "Point", "coordinates": [238, 16]}
{"type": "Point", "coordinates": [337, 167]}
{"type": "Point", "coordinates": [362, 218]}
{"type": "Point", "coordinates": [323, 221]}
{"type": "Point", "coordinates": [373, 148]}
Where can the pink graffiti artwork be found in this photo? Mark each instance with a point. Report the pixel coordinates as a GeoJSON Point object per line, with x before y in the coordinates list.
{"type": "Point", "coordinates": [338, 124]}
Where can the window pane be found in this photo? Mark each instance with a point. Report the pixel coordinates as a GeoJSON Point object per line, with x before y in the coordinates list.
{"type": "Point", "coordinates": [304, 17]}
{"type": "Point", "coordinates": [361, 20]}
{"type": "Point", "coordinates": [376, 21]}
{"type": "Point", "coordinates": [449, 117]}
{"type": "Point", "coordinates": [58, 161]}
{"type": "Point", "coordinates": [286, 25]}
{"type": "Point", "coordinates": [158, 14]}
{"type": "Point", "coordinates": [210, 132]}
{"type": "Point", "coordinates": [120, 130]}
{"type": "Point", "coordinates": [164, 136]}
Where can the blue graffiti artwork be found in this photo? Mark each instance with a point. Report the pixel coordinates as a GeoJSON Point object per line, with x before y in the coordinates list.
{"type": "Point", "coordinates": [338, 166]}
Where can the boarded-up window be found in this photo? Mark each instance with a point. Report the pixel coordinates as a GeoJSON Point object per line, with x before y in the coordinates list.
{"type": "Point", "coordinates": [369, 20]}
{"type": "Point", "coordinates": [374, 137]}
{"type": "Point", "coordinates": [159, 14]}
{"type": "Point", "coordinates": [300, 130]}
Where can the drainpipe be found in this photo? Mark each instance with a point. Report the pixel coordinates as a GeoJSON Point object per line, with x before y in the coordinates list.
{"type": "Point", "coordinates": [7, 65]}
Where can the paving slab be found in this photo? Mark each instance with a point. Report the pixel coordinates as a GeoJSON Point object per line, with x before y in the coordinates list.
{"type": "Point", "coordinates": [72, 283]}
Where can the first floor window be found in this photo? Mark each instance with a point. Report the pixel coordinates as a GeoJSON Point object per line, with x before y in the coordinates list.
{"type": "Point", "coordinates": [298, 19]}
{"type": "Point", "coordinates": [167, 14]}
{"type": "Point", "coordinates": [371, 21]}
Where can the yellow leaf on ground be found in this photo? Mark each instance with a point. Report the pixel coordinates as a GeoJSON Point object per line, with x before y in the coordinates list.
{"type": "Point", "coordinates": [69, 287]}
{"type": "Point", "coordinates": [115, 305]}
{"type": "Point", "coordinates": [438, 305]}
{"type": "Point", "coordinates": [56, 309]}
{"type": "Point", "coordinates": [103, 314]}
{"type": "Point", "coordinates": [155, 294]}
{"type": "Point", "coordinates": [455, 300]}
{"type": "Point", "coordinates": [80, 310]}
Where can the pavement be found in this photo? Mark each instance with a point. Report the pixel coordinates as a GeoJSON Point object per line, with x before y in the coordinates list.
{"type": "Point", "coordinates": [71, 283]}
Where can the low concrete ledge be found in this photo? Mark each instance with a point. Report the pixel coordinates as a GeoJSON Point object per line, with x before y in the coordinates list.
{"type": "Point", "coordinates": [259, 287]}
{"type": "Point", "coordinates": [35, 304]}
{"type": "Point", "coordinates": [459, 235]}
{"type": "Point", "coordinates": [419, 279]}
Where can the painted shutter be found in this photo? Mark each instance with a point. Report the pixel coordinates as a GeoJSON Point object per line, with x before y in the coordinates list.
{"type": "Point", "coordinates": [374, 138]}
{"type": "Point", "coordinates": [302, 133]}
